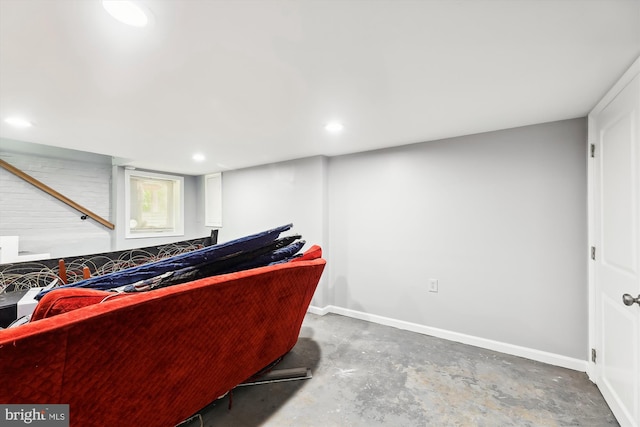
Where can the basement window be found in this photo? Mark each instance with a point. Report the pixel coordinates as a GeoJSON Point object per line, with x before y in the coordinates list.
{"type": "Point", "coordinates": [154, 204]}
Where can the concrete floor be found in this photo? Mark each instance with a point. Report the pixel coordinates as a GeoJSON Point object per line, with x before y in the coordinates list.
{"type": "Point", "coordinates": [366, 374]}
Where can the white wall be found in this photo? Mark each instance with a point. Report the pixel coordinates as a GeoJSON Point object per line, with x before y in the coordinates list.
{"type": "Point", "coordinates": [43, 223]}
{"type": "Point", "coordinates": [260, 198]}
{"type": "Point", "coordinates": [498, 218]}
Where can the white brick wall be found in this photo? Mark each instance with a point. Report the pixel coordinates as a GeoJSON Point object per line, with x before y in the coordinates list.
{"type": "Point", "coordinates": [46, 224]}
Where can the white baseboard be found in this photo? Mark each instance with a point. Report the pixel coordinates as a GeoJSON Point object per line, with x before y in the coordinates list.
{"type": "Point", "coordinates": [320, 311]}
{"type": "Point", "coordinates": [514, 350]}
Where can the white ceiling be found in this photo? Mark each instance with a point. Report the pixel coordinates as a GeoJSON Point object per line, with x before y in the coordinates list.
{"type": "Point", "coordinates": [254, 82]}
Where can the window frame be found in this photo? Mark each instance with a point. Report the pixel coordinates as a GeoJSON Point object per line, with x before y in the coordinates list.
{"type": "Point", "coordinates": [177, 202]}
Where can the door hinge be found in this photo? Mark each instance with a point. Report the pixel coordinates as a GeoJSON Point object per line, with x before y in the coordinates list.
{"type": "Point", "coordinates": [593, 253]}
{"type": "Point", "coordinates": [593, 355]}
{"type": "Point", "coordinates": [593, 150]}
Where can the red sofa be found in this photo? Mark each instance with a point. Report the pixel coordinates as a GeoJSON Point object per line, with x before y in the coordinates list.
{"type": "Point", "coordinates": [155, 358]}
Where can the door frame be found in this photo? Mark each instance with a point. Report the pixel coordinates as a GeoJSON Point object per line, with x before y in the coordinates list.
{"type": "Point", "coordinates": [592, 139]}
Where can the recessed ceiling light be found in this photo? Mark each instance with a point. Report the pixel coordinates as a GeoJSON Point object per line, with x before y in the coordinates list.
{"type": "Point", "coordinates": [198, 157]}
{"type": "Point", "coordinates": [334, 127]}
{"type": "Point", "coordinates": [126, 12]}
{"type": "Point", "coordinates": [18, 122]}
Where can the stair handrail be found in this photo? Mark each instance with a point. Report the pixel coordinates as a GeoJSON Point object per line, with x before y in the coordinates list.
{"type": "Point", "coordinates": [44, 187]}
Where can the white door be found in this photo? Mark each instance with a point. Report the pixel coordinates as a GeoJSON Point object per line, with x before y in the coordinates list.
{"type": "Point", "coordinates": [615, 186]}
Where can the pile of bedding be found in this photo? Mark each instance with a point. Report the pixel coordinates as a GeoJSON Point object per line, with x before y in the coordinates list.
{"type": "Point", "coordinates": [256, 250]}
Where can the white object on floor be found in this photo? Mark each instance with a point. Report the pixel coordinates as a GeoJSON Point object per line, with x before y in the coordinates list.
{"type": "Point", "coordinates": [28, 303]}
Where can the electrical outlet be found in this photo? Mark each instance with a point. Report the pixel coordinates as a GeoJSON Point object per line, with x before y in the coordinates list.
{"type": "Point", "coordinates": [433, 285]}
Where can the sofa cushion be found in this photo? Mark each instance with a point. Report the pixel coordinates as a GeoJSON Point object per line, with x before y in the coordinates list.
{"type": "Point", "coordinates": [69, 299]}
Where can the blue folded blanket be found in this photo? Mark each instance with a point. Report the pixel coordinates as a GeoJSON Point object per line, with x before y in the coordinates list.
{"type": "Point", "coordinates": [246, 252]}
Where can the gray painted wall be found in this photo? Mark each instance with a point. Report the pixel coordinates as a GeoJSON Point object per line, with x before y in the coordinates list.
{"type": "Point", "coordinates": [498, 218]}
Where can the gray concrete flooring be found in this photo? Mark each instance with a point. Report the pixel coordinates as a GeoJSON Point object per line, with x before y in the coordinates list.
{"type": "Point", "coordinates": [366, 374]}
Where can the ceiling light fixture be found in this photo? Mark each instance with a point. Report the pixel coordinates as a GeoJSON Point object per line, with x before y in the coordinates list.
{"type": "Point", "coordinates": [334, 127]}
{"type": "Point", "coordinates": [18, 122]}
{"type": "Point", "coordinates": [126, 12]}
{"type": "Point", "coordinates": [199, 157]}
